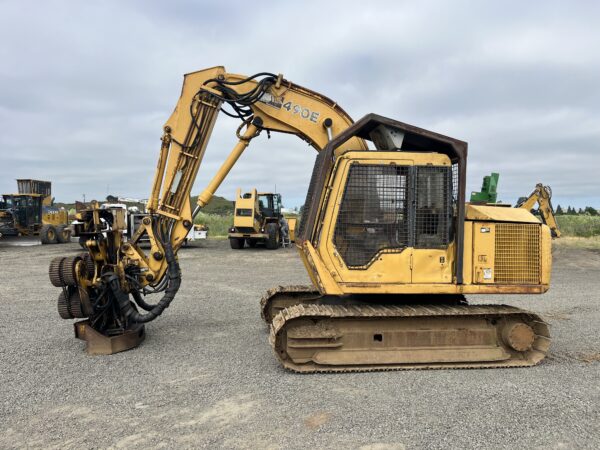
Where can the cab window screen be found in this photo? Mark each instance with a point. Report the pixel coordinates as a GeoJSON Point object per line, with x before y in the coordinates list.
{"type": "Point", "coordinates": [433, 206]}
{"type": "Point", "coordinates": [373, 214]}
{"type": "Point", "coordinates": [388, 208]}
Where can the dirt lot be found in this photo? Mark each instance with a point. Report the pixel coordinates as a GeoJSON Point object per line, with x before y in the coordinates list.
{"type": "Point", "coordinates": [205, 376]}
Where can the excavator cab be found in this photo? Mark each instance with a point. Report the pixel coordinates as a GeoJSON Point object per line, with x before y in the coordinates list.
{"type": "Point", "coordinates": [395, 205]}
{"type": "Point", "coordinates": [26, 211]}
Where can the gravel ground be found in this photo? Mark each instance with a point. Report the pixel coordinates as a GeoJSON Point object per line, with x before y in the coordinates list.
{"type": "Point", "coordinates": [205, 375]}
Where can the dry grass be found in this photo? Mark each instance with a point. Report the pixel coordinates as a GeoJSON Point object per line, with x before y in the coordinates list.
{"type": "Point", "coordinates": [218, 225]}
{"type": "Point", "coordinates": [589, 243]}
{"type": "Point", "coordinates": [580, 226]}
{"type": "Point", "coordinates": [317, 419]}
{"type": "Point", "coordinates": [558, 315]}
{"type": "Point", "coordinates": [589, 357]}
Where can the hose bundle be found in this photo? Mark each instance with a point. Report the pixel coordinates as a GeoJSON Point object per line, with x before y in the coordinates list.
{"type": "Point", "coordinates": [240, 103]}
{"type": "Point", "coordinates": [126, 307]}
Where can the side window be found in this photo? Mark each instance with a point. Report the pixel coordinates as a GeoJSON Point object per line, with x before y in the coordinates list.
{"type": "Point", "coordinates": [433, 207]}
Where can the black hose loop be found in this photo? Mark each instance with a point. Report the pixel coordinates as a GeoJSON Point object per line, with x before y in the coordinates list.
{"type": "Point", "coordinates": [126, 307]}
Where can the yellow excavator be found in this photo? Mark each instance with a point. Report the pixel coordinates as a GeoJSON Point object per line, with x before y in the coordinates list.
{"type": "Point", "coordinates": [386, 237]}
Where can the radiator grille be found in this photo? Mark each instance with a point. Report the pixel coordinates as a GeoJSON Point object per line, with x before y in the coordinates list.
{"type": "Point", "coordinates": [517, 248]}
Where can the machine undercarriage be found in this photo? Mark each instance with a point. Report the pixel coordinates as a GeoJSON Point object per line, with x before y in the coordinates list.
{"type": "Point", "coordinates": [314, 333]}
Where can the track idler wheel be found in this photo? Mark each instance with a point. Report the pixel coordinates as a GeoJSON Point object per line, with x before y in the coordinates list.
{"type": "Point", "coordinates": [63, 271]}
{"type": "Point", "coordinates": [519, 336]}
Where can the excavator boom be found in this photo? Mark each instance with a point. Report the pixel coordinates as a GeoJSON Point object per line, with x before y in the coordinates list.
{"type": "Point", "coordinates": [113, 269]}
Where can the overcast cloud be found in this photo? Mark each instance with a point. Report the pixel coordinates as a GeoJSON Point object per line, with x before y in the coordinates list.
{"type": "Point", "coordinates": [86, 86]}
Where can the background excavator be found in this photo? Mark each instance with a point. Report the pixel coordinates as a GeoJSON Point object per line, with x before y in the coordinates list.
{"type": "Point", "coordinates": [389, 244]}
{"type": "Point", "coordinates": [542, 196]}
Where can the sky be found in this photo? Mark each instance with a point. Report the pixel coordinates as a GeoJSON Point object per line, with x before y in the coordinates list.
{"type": "Point", "coordinates": [85, 87]}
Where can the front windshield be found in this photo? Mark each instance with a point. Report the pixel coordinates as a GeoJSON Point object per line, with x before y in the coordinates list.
{"type": "Point", "coordinates": [264, 201]}
{"type": "Point", "coordinates": [5, 202]}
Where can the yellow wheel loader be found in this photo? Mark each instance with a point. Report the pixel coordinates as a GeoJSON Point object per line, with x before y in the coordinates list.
{"type": "Point", "coordinates": [30, 213]}
{"type": "Point", "coordinates": [386, 237]}
{"type": "Point", "coordinates": [257, 218]}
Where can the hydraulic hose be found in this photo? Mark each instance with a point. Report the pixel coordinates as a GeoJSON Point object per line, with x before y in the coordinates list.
{"type": "Point", "coordinates": [122, 298]}
{"type": "Point", "coordinates": [139, 300]}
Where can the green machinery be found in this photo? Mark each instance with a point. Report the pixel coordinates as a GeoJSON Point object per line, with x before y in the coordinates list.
{"type": "Point", "coordinates": [488, 192]}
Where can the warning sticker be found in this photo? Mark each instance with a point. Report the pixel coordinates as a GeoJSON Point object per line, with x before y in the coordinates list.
{"type": "Point", "coordinates": [271, 100]}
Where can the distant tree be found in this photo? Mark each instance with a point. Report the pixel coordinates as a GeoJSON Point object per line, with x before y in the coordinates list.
{"type": "Point", "coordinates": [591, 211]}
{"type": "Point", "coordinates": [570, 211]}
{"type": "Point", "coordinates": [112, 199]}
{"type": "Point", "coordinates": [559, 210]}
{"type": "Point", "coordinates": [580, 211]}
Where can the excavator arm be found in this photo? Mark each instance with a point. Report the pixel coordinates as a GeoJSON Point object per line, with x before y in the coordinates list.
{"type": "Point", "coordinates": [542, 196]}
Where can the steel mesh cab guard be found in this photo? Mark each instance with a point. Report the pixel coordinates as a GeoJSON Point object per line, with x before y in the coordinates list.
{"type": "Point", "coordinates": [388, 208]}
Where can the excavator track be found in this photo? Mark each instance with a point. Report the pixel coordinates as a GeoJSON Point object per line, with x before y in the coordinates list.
{"type": "Point", "coordinates": [281, 297]}
{"type": "Point", "coordinates": [310, 338]}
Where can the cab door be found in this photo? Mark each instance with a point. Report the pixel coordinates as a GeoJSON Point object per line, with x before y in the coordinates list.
{"type": "Point", "coordinates": [371, 236]}
{"type": "Point", "coordinates": [34, 211]}
{"type": "Point", "coordinates": [393, 221]}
